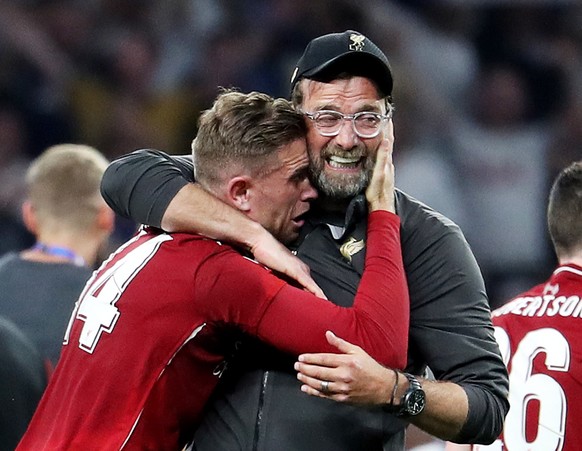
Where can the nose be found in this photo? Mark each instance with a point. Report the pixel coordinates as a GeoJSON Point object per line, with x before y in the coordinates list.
{"type": "Point", "coordinates": [347, 137]}
{"type": "Point", "coordinates": [308, 192]}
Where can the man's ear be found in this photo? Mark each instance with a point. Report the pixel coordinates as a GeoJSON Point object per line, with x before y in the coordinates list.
{"type": "Point", "coordinates": [239, 192]}
{"type": "Point", "coordinates": [105, 219]}
{"type": "Point", "coordinates": [29, 217]}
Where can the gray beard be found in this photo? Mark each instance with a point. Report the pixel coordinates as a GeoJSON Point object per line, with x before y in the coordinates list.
{"type": "Point", "coordinates": [339, 188]}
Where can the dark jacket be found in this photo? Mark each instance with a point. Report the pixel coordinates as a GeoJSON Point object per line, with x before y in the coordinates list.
{"type": "Point", "coordinates": [23, 378]}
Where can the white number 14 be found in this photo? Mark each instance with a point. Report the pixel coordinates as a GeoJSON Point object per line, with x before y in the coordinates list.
{"type": "Point", "coordinates": [96, 306]}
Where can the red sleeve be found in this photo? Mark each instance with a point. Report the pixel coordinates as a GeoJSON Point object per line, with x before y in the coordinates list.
{"type": "Point", "coordinates": [378, 321]}
{"type": "Point", "coordinates": [234, 290]}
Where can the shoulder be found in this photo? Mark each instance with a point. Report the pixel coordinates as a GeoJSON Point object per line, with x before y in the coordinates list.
{"type": "Point", "coordinates": [417, 217]}
{"type": "Point", "coordinates": [207, 250]}
{"type": "Point", "coordinates": [228, 275]}
{"type": "Point", "coordinates": [426, 231]}
{"type": "Point", "coordinates": [201, 245]}
{"type": "Point", "coordinates": [13, 269]}
{"type": "Point", "coordinates": [18, 353]}
{"type": "Point", "coordinates": [208, 259]}
{"type": "Point", "coordinates": [438, 261]}
{"type": "Point", "coordinates": [8, 259]}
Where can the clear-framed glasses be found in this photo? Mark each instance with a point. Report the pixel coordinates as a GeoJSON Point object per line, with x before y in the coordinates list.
{"type": "Point", "coordinates": [366, 124]}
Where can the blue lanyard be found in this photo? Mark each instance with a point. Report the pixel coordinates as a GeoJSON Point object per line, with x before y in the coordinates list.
{"type": "Point", "coordinates": [59, 251]}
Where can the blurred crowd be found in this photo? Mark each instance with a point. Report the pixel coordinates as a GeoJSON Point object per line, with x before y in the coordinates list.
{"type": "Point", "coordinates": [488, 96]}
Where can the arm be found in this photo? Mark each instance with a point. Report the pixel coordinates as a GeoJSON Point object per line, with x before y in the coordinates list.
{"type": "Point", "coordinates": [379, 315]}
{"type": "Point", "coordinates": [450, 330]}
{"type": "Point", "coordinates": [154, 188]}
{"type": "Point", "coordinates": [357, 378]}
{"type": "Point", "coordinates": [462, 353]}
{"type": "Point", "coordinates": [140, 185]}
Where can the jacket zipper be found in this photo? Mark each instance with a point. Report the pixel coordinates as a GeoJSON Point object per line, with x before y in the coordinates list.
{"type": "Point", "coordinates": [258, 423]}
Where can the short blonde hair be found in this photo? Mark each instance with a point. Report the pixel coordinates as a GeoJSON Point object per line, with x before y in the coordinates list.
{"type": "Point", "coordinates": [64, 185]}
{"type": "Point", "coordinates": [243, 130]}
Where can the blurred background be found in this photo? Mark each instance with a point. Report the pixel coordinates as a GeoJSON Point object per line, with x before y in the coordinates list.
{"type": "Point", "coordinates": [488, 96]}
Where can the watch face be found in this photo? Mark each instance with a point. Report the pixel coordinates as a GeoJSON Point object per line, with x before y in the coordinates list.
{"type": "Point", "coordinates": [415, 402]}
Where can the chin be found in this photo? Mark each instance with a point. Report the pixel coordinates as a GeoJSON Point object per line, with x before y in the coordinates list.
{"type": "Point", "coordinates": [289, 238]}
{"type": "Point", "coordinates": [340, 191]}
{"type": "Point", "coordinates": [341, 186]}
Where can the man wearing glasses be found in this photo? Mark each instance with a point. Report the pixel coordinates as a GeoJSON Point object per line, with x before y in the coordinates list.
{"type": "Point", "coordinates": [366, 124]}
{"type": "Point", "coordinates": [343, 85]}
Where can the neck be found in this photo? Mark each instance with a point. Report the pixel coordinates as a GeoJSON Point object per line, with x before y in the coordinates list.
{"type": "Point", "coordinates": [65, 248]}
{"type": "Point", "coordinates": [573, 260]}
{"type": "Point", "coordinates": [56, 253]}
{"type": "Point", "coordinates": [331, 206]}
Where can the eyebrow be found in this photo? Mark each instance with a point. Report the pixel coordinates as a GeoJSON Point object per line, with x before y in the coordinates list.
{"type": "Point", "coordinates": [300, 173]}
{"type": "Point", "coordinates": [366, 107]}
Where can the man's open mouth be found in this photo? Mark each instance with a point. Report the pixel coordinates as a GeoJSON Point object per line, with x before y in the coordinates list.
{"type": "Point", "coordinates": [300, 219]}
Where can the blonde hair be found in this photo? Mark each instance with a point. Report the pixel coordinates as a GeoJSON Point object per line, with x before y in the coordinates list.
{"type": "Point", "coordinates": [243, 130]}
{"type": "Point", "coordinates": [64, 186]}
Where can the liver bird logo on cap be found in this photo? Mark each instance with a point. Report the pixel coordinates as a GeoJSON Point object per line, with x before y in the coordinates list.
{"type": "Point", "coordinates": [357, 42]}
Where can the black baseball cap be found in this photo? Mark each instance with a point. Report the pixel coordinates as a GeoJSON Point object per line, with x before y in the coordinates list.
{"type": "Point", "coordinates": [327, 56]}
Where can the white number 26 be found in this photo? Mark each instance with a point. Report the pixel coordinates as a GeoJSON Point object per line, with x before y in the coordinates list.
{"type": "Point", "coordinates": [525, 387]}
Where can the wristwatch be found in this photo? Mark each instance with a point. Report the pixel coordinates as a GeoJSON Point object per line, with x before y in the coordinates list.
{"type": "Point", "coordinates": [414, 400]}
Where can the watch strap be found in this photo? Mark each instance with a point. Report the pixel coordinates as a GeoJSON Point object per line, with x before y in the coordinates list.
{"type": "Point", "coordinates": [414, 388]}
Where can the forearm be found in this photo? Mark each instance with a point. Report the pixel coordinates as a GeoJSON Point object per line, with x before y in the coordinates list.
{"type": "Point", "coordinates": [461, 413]}
{"type": "Point", "coordinates": [195, 210]}
{"type": "Point", "coordinates": [156, 189]}
{"type": "Point", "coordinates": [385, 297]}
{"type": "Point", "coordinates": [140, 185]}
{"type": "Point", "coordinates": [446, 410]}
{"type": "Point", "coordinates": [378, 320]}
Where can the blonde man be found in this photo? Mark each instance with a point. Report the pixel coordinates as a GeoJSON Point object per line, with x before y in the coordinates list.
{"type": "Point", "coordinates": [71, 222]}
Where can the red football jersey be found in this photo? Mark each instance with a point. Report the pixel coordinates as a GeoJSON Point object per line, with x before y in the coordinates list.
{"type": "Point", "coordinates": [540, 337]}
{"type": "Point", "coordinates": [145, 345]}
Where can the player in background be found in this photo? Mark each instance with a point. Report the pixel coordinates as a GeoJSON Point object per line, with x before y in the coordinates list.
{"type": "Point", "coordinates": [540, 337]}
{"type": "Point", "coordinates": [72, 224]}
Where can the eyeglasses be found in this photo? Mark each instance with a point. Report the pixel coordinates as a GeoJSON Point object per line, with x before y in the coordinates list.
{"type": "Point", "coordinates": [366, 124]}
